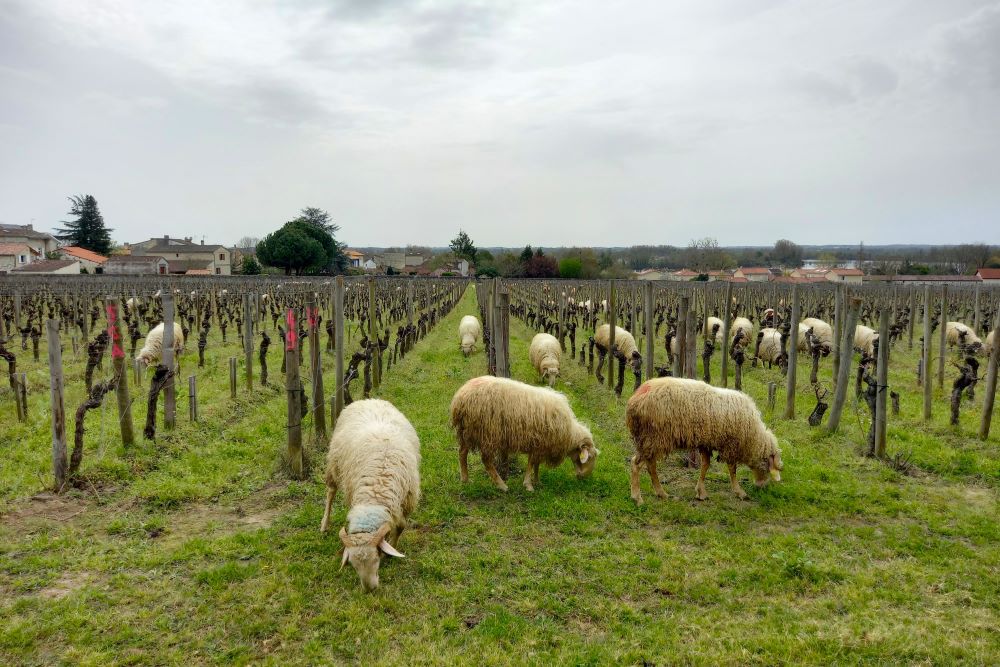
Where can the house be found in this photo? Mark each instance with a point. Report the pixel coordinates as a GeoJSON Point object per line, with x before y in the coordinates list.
{"type": "Point", "coordinates": [720, 274]}
{"type": "Point", "coordinates": [754, 274]}
{"type": "Point", "coordinates": [182, 267]}
{"type": "Point", "coordinates": [136, 265]}
{"type": "Point", "coordinates": [216, 258]}
{"type": "Point", "coordinates": [685, 274]}
{"type": "Point", "coordinates": [414, 260]}
{"type": "Point", "coordinates": [395, 260]}
{"type": "Point", "coordinates": [921, 280]}
{"type": "Point", "coordinates": [52, 267]}
{"type": "Point", "coordinates": [989, 276]}
{"type": "Point", "coordinates": [369, 264]}
{"type": "Point", "coordinates": [849, 276]}
{"type": "Point", "coordinates": [40, 242]}
{"type": "Point", "coordinates": [88, 259]}
{"type": "Point", "coordinates": [354, 258]}
{"type": "Point", "coordinates": [14, 255]}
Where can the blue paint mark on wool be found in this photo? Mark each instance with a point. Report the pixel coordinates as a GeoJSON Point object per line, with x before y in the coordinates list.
{"type": "Point", "coordinates": [366, 518]}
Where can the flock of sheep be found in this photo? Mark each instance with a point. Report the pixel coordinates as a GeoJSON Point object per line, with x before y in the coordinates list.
{"type": "Point", "coordinates": [374, 453]}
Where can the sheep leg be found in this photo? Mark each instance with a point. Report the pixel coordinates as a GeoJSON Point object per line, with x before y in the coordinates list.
{"type": "Point", "coordinates": [600, 364]}
{"type": "Point", "coordinates": [530, 475]}
{"type": "Point", "coordinates": [706, 460]}
{"type": "Point", "coordinates": [463, 463]}
{"type": "Point", "coordinates": [634, 480]}
{"type": "Point", "coordinates": [331, 491]}
{"type": "Point", "coordinates": [657, 487]}
{"type": "Point", "coordinates": [492, 472]}
{"type": "Point", "coordinates": [737, 489]}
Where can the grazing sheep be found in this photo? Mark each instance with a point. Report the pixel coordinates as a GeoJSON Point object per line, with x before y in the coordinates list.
{"type": "Point", "coordinates": [715, 325]}
{"type": "Point", "coordinates": [957, 333]}
{"type": "Point", "coordinates": [626, 351]}
{"type": "Point", "coordinates": [668, 414]}
{"type": "Point", "coordinates": [741, 324]}
{"type": "Point", "coordinates": [131, 303]}
{"type": "Point", "coordinates": [152, 347]}
{"type": "Point", "coordinates": [469, 331]}
{"type": "Point", "coordinates": [374, 457]}
{"type": "Point", "coordinates": [544, 354]}
{"type": "Point", "coordinates": [769, 348]}
{"type": "Point", "coordinates": [822, 331]}
{"type": "Point", "coordinates": [988, 346]}
{"type": "Point", "coordinates": [864, 340]}
{"type": "Point", "coordinates": [496, 416]}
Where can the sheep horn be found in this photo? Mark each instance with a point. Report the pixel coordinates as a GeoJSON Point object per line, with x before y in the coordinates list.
{"type": "Point", "coordinates": [389, 549]}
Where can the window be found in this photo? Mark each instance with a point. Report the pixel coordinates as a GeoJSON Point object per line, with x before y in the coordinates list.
{"type": "Point", "coordinates": [222, 256]}
{"type": "Point", "coordinates": [218, 271]}
{"type": "Point", "coordinates": [22, 260]}
{"type": "Point", "coordinates": [163, 269]}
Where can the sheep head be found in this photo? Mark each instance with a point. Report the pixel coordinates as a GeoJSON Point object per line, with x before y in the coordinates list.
{"type": "Point", "coordinates": [468, 344]}
{"type": "Point", "coordinates": [364, 551]}
{"type": "Point", "coordinates": [584, 454]}
{"type": "Point", "coordinates": [769, 466]}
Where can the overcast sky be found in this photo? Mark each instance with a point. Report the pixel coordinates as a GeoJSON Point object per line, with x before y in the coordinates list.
{"type": "Point", "coordinates": [550, 122]}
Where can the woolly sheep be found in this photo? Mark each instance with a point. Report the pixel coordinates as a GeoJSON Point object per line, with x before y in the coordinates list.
{"type": "Point", "coordinates": [769, 349]}
{"type": "Point", "coordinates": [741, 323]}
{"type": "Point", "coordinates": [152, 347]}
{"type": "Point", "coordinates": [821, 330]}
{"type": "Point", "coordinates": [496, 416]}
{"type": "Point", "coordinates": [864, 340]}
{"type": "Point", "coordinates": [988, 346]}
{"type": "Point", "coordinates": [544, 353]}
{"type": "Point", "coordinates": [469, 332]}
{"type": "Point", "coordinates": [374, 457]}
{"type": "Point", "coordinates": [715, 324]}
{"type": "Point", "coordinates": [668, 414]}
{"type": "Point", "coordinates": [625, 347]}
{"type": "Point", "coordinates": [131, 303]}
{"type": "Point", "coordinates": [956, 332]}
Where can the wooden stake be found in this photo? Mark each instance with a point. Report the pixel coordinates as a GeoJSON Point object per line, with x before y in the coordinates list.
{"type": "Point", "coordinates": [169, 395]}
{"type": "Point", "coordinates": [192, 399]}
{"type": "Point", "coordinates": [991, 382]}
{"type": "Point", "coordinates": [846, 344]}
{"type": "Point", "coordinates": [882, 377]}
{"type": "Point", "coordinates": [293, 392]}
{"type": "Point", "coordinates": [647, 313]}
{"type": "Point", "coordinates": [338, 334]}
{"type": "Point", "coordinates": [925, 359]}
{"type": "Point", "coordinates": [248, 340]}
{"type": "Point", "coordinates": [727, 322]}
{"type": "Point", "coordinates": [121, 373]}
{"type": "Point", "coordinates": [793, 355]}
{"type": "Point", "coordinates": [59, 460]}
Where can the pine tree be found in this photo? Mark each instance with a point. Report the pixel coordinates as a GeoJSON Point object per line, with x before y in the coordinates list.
{"type": "Point", "coordinates": [88, 230]}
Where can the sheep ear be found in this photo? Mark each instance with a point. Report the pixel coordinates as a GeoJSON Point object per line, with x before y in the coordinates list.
{"type": "Point", "coordinates": [584, 455]}
{"type": "Point", "coordinates": [389, 549]}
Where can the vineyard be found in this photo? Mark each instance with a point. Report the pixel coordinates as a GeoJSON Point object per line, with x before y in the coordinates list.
{"type": "Point", "coordinates": [169, 512]}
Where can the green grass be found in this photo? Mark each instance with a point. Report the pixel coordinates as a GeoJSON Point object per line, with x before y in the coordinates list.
{"type": "Point", "coordinates": [197, 549]}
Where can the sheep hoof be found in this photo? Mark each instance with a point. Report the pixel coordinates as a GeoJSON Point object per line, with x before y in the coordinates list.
{"type": "Point", "coordinates": [741, 494]}
{"type": "Point", "coordinates": [661, 494]}
{"type": "Point", "coordinates": [638, 500]}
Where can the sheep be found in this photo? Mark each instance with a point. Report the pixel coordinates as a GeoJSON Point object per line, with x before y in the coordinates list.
{"type": "Point", "coordinates": [131, 304]}
{"type": "Point", "coordinates": [715, 326]}
{"type": "Point", "coordinates": [626, 351]}
{"type": "Point", "coordinates": [963, 336]}
{"type": "Point", "coordinates": [544, 353]}
{"type": "Point", "coordinates": [668, 414]}
{"type": "Point", "coordinates": [498, 416]}
{"type": "Point", "coordinates": [864, 340]}
{"type": "Point", "coordinates": [821, 330]}
{"type": "Point", "coordinates": [374, 457]}
{"type": "Point", "coordinates": [469, 331]}
{"type": "Point", "coordinates": [741, 324]}
{"type": "Point", "coordinates": [152, 347]}
{"type": "Point", "coordinates": [988, 345]}
{"type": "Point", "coordinates": [770, 348]}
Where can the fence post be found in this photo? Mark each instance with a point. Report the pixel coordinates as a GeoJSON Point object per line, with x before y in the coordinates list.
{"type": "Point", "coordinates": [59, 461]}
{"type": "Point", "coordinates": [316, 371]}
{"type": "Point", "coordinates": [913, 315]}
{"type": "Point", "coordinates": [192, 399]}
{"type": "Point", "coordinates": [846, 344]}
{"type": "Point", "coordinates": [293, 392]}
{"type": "Point", "coordinates": [647, 312]}
{"type": "Point", "coordinates": [991, 382]}
{"type": "Point", "coordinates": [942, 336]}
{"type": "Point", "coordinates": [503, 334]}
{"type": "Point", "coordinates": [373, 335]}
{"type": "Point", "coordinates": [232, 378]}
{"type": "Point", "coordinates": [121, 373]}
{"type": "Point", "coordinates": [612, 325]}
{"type": "Point", "coordinates": [925, 359]}
{"type": "Point", "coordinates": [882, 377]}
{"type": "Point", "coordinates": [838, 328]}
{"type": "Point", "coordinates": [727, 323]}
{"type": "Point", "coordinates": [793, 355]}
{"type": "Point", "coordinates": [680, 359]}
{"type": "Point", "coordinates": [338, 334]}
{"type": "Point", "coordinates": [691, 352]}
{"type": "Point", "coordinates": [975, 311]}
{"type": "Point", "coordinates": [169, 397]}
{"type": "Point", "coordinates": [248, 339]}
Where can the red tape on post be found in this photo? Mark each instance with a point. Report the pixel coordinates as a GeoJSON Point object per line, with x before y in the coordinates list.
{"type": "Point", "coordinates": [292, 334]}
{"type": "Point", "coordinates": [113, 334]}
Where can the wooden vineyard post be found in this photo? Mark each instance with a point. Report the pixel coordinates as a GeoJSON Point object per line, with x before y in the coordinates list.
{"type": "Point", "coordinates": [727, 323]}
{"type": "Point", "coordinates": [975, 311]}
{"type": "Point", "coordinates": [248, 340]}
{"type": "Point", "coordinates": [293, 392]}
{"type": "Point", "coordinates": [612, 326]}
{"type": "Point", "coordinates": [793, 346]}
{"type": "Point", "coordinates": [59, 460]}
{"type": "Point", "coordinates": [881, 416]}
{"type": "Point", "coordinates": [991, 382]}
{"type": "Point", "coordinates": [942, 336]}
{"type": "Point", "coordinates": [503, 335]}
{"type": "Point", "coordinates": [338, 335]}
{"type": "Point", "coordinates": [681, 357]}
{"type": "Point", "coordinates": [169, 396]}
{"type": "Point", "coordinates": [232, 378]}
{"type": "Point", "coordinates": [121, 372]}
{"type": "Point", "coordinates": [192, 399]}
{"type": "Point", "coordinates": [838, 328]}
{"type": "Point", "coordinates": [690, 353]}
{"type": "Point", "coordinates": [913, 316]}
{"type": "Point", "coordinates": [373, 336]}
{"type": "Point", "coordinates": [925, 359]}
{"type": "Point", "coordinates": [316, 371]}
{"type": "Point", "coordinates": [843, 371]}
{"type": "Point", "coordinates": [17, 309]}
{"type": "Point", "coordinates": [647, 314]}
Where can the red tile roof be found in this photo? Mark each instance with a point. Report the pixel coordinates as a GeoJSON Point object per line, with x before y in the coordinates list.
{"type": "Point", "coordinates": [83, 253]}
{"type": "Point", "coordinates": [989, 274]}
{"type": "Point", "coordinates": [754, 270]}
{"type": "Point", "coordinates": [847, 272]}
{"type": "Point", "coordinates": [14, 248]}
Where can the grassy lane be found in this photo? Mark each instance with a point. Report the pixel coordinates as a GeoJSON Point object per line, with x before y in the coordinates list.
{"type": "Point", "coordinates": [846, 561]}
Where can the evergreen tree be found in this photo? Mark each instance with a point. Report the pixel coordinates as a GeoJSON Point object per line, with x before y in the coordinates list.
{"type": "Point", "coordinates": [463, 247]}
{"type": "Point", "coordinates": [88, 230]}
{"type": "Point", "coordinates": [299, 247]}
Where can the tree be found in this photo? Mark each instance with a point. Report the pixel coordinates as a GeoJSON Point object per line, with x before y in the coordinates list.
{"type": "Point", "coordinates": [299, 247]}
{"type": "Point", "coordinates": [540, 266]}
{"type": "Point", "coordinates": [88, 230]}
{"type": "Point", "coordinates": [250, 266]}
{"type": "Point", "coordinates": [786, 253]}
{"type": "Point", "coordinates": [570, 267]}
{"type": "Point", "coordinates": [318, 218]}
{"type": "Point", "coordinates": [248, 242]}
{"type": "Point", "coordinates": [705, 254]}
{"type": "Point", "coordinates": [527, 254]}
{"type": "Point", "coordinates": [463, 247]}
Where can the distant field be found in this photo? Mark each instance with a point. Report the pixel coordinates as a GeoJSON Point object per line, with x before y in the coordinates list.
{"type": "Point", "coordinates": [197, 548]}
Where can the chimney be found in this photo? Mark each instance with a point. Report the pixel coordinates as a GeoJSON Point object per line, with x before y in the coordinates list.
{"type": "Point", "coordinates": [166, 237]}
